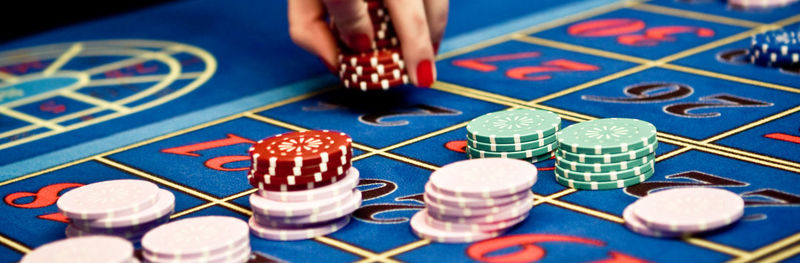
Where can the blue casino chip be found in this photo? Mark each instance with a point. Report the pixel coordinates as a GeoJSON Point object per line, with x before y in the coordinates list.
{"type": "Point", "coordinates": [775, 48]}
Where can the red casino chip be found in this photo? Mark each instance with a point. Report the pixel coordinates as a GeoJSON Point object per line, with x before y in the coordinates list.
{"type": "Point", "coordinates": [346, 70]}
{"type": "Point", "coordinates": [372, 5]}
{"type": "Point", "coordinates": [298, 149]}
{"type": "Point", "coordinates": [388, 43]}
{"type": "Point", "coordinates": [384, 33]}
{"type": "Point", "coordinates": [381, 85]}
{"type": "Point", "coordinates": [383, 56]}
{"type": "Point", "coordinates": [264, 168]}
{"type": "Point", "coordinates": [373, 77]}
{"type": "Point", "coordinates": [379, 19]}
{"type": "Point", "coordinates": [377, 12]}
{"type": "Point", "coordinates": [259, 184]}
{"type": "Point", "coordinates": [256, 177]}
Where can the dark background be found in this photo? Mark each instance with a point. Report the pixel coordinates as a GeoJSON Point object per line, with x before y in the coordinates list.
{"type": "Point", "coordinates": [31, 17]}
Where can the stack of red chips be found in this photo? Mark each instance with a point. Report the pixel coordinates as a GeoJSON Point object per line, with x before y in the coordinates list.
{"type": "Point", "coordinates": [380, 68]}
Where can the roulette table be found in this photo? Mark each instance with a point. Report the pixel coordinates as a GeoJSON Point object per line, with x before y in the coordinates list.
{"type": "Point", "coordinates": [176, 93]}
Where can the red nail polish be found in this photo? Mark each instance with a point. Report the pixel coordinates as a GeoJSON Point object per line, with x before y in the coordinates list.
{"type": "Point", "coordinates": [360, 42]}
{"type": "Point", "coordinates": [424, 73]}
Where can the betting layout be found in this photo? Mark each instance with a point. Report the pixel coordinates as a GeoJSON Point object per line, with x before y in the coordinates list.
{"type": "Point", "coordinates": [599, 166]}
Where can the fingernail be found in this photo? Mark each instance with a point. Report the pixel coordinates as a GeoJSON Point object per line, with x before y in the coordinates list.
{"type": "Point", "coordinates": [424, 74]}
{"type": "Point", "coordinates": [360, 42]}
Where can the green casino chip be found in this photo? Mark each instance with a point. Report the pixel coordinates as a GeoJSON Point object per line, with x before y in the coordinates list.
{"type": "Point", "coordinates": [608, 157]}
{"type": "Point", "coordinates": [601, 136]}
{"type": "Point", "coordinates": [605, 176]}
{"type": "Point", "coordinates": [515, 155]}
{"type": "Point", "coordinates": [513, 126]}
{"type": "Point", "coordinates": [608, 185]}
{"type": "Point", "coordinates": [602, 167]}
{"type": "Point", "coordinates": [540, 158]}
{"type": "Point", "coordinates": [511, 147]}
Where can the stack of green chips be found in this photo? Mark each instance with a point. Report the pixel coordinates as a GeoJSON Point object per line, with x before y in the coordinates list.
{"type": "Point", "coordinates": [606, 154]}
{"type": "Point", "coordinates": [526, 134]}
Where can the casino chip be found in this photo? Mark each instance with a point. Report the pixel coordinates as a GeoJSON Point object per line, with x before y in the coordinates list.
{"type": "Point", "coordinates": [422, 229]}
{"type": "Point", "coordinates": [526, 134]}
{"type": "Point", "coordinates": [513, 126]}
{"type": "Point", "coordinates": [604, 176]}
{"type": "Point", "coordinates": [679, 211]}
{"type": "Point", "coordinates": [604, 185]}
{"type": "Point", "coordinates": [431, 196]}
{"type": "Point", "coordinates": [289, 234]}
{"type": "Point", "coordinates": [83, 249]}
{"type": "Point", "coordinates": [351, 203]}
{"type": "Point", "coordinates": [613, 135]}
{"type": "Point", "coordinates": [759, 4]}
{"type": "Point", "coordinates": [532, 153]}
{"type": "Point", "coordinates": [196, 239]}
{"type": "Point", "coordinates": [605, 154]}
{"type": "Point", "coordinates": [130, 213]}
{"type": "Point", "coordinates": [268, 207]}
{"type": "Point", "coordinates": [511, 147]}
{"type": "Point", "coordinates": [608, 158]}
{"type": "Point", "coordinates": [634, 224]}
{"type": "Point", "coordinates": [603, 167]}
{"type": "Point", "coordinates": [691, 209]}
{"type": "Point", "coordinates": [347, 184]}
{"type": "Point", "coordinates": [473, 200]}
{"type": "Point", "coordinates": [777, 48]}
{"type": "Point", "coordinates": [382, 68]}
{"type": "Point", "coordinates": [163, 207]}
{"type": "Point", "coordinates": [298, 149]}
{"type": "Point", "coordinates": [484, 178]}
{"type": "Point", "coordinates": [108, 199]}
{"type": "Point", "coordinates": [306, 185]}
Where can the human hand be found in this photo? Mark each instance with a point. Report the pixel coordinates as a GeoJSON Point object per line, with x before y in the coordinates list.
{"type": "Point", "coordinates": [419, 25]}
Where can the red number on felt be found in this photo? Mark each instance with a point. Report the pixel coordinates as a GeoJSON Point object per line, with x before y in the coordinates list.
{"type": "Point", "coordinates": [606, 27]}
{"type": "Point", "coordinates": [524, 72]}
{"type": "Point", "coordinates": [654, 36]}
{"type": "Point", "coordinates": [52, 106]}
{"type": "Point", "coordinates": [216, 163]}
{"type": "Point", "coordinates": [46, 196]}
{"type": "Point", "coordinates": [479, 65]}
{"type": "Point", "coordinates": [131, 70]}
{"type": "Point", "coordinates": [783, 137]}
{"type": "Point", "coordinates": [529, 251]}
{"type": "Point", "coordinates": [22, 68]}
{"type": "Point", "coordinates": [624, 28]}
{"type": "Point", "coordinates": [457, 146]}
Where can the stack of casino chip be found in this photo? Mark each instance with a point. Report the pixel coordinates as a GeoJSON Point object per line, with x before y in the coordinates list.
{"type": "Point", "coordinates": [680, 211]}
{"type": "Point", "coordinates": [777, 48]}
{"type": "Point", "coordinates": [526, 134]}
{"type": "Point", "coordinates": [306, 185]}
{"type": "Point", "coordinates": [83, 249]}
{"type": "Point", "coordinates": [124, 208]}
{"type": "Point", "coordinates": [380, 68]}
{"type": "Point", "coordinates": [202, 239]}
{"type": "Point", "coordinates": [606, 154]}
{"type": "Point", "coordinates": [475, 199]}
{"type": "Point", "coordinates": [760, 4]}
